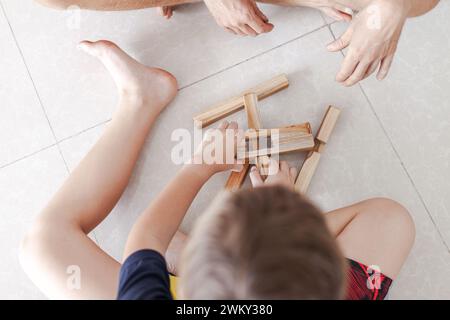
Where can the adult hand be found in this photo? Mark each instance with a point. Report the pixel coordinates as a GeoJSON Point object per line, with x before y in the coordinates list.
{"type": "Point", "coordinates": [279, 173]}
{"type": "Point", "coordinates": [241, 17]}
{"type": "Point", "coordinates": [372, 39]}
{"type": "Point", "coordinates": [335, 11]}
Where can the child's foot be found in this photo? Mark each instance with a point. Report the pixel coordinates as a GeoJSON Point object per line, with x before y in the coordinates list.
{"type": "Point", "coordinates": [166, 11]}
{"type": "Point", "coordinates": [154, 87]}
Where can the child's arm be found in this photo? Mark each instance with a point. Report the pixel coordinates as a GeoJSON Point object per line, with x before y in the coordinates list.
{"type": "Point", "coordinates": [158, 224]}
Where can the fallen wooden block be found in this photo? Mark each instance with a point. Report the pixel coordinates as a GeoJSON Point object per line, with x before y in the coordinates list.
{"type": "Point", "coordinates": [236, 179]}
{"type": "Point", "coordinates": [263, 133]}
{"type": "Point", "coordinates": [235, 104]}
{"type": "Point", "coordinates": [254, 122]}
{"type": "Point", "coordinates": [307, 172]}
{"type": "Point", "coordinates": [326, 128]}
{"type": "Point", "coordinates": [312, 160]}
{"type": "Point", "coordinates": [251, 108]}
{"type": "Point", "coordinates": [281, 141]}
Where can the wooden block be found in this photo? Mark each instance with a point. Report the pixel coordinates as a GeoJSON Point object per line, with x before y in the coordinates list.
{"type": "Point", "coordinates": [304, 127]}
{"type": "Point", "coordinates": [328, 124]}
{"type": "Point", "coordinates": [292, 141]}
{"type": "Point", "coordinates": [280, 143]}
{"type": "Point", "coordinates": [286, 139]}
{"type": "Point", "coordinates": [262, 133]}
{"type": "Point", "coordinates": [307, 172]}
{"type": "Point", "coordinates": [251, 108]}
{"type": "Point", "coordinates": [236, 179]}
{"type": "Point", "coordinates": [312, 160]}
{"type": "Point", "coordinates": [253, 119]}
{"type": "Point", "coordinates": [254, 122]}
{"type": "Point", "coordinates": [235, 104]}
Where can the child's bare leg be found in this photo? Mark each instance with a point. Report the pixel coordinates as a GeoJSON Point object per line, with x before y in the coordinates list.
{"type": "Point", "coordinates": [58, 239]}
{"type": "Point", "coordinates": [374, 232]}
{"type": "Point", "coordinates": [174, 251]}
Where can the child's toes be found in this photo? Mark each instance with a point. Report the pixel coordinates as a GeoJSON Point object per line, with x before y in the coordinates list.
{"type": "Point", "coordinates": [96, 48]}
{"type": "Point", "coordinates": [88, 47]}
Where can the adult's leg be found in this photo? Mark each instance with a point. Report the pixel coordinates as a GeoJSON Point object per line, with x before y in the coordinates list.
{"type": "Point", "coordinates": [376, 232]}
{"type": "Point", "coordinates": [112, 5]}
{"type": "Point", "coordinates": [58, 240]}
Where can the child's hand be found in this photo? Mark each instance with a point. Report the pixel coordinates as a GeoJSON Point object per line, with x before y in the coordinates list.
{"type": "Point", "coordinates": [279, 174]}
{"type": "Point", "coordinates": [218, 149]}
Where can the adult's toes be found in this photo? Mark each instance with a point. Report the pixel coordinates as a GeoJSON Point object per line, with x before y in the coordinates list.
{"type": "Point", "coordinates": [165, 11]}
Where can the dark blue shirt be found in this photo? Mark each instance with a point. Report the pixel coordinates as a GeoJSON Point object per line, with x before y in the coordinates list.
{"type": "Point", "coordinates": [144, 276]}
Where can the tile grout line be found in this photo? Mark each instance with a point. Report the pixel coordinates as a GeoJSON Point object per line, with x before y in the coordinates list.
{"type": "Point", "coordinates": [34, 86]}
{"type": "Point", "coordinates": [323, 17]}
{"type": "Point", "coordinates": [53, 144]}
{"type": "Point", "coordinates": [411, 180]}
{"type": "Point", "coordinates": [42, 107]}
{"type": "Point", "coordinates": [328, 25]}
{"type": "Point", "coordinates": [27, 156]}
{"type": "Point", "coordinates": [109, 119]}
{"type": "Point", "coordinates": [252, 57]}
{"type": "Point", "coordinates": [84, 130]}
{"type": "Point", "coordinates": [416, 189]}
{"type": "Point", "coordinates": [106, 121]}
{"type": "Point", "coordinates": [57, 142]}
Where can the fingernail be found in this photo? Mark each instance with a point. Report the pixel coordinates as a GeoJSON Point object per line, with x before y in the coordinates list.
{"type": "Point", "coordinates": [253, 169]}
{"type": "Point", "coordinates": [348, 11]}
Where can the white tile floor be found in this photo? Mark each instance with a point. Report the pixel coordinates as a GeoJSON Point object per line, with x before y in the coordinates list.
{"type": "Point", "coordinates": [391, 140]}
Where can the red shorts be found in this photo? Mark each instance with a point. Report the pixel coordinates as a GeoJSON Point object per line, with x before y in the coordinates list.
{"type": "Point", "coordinates": [366, 283]}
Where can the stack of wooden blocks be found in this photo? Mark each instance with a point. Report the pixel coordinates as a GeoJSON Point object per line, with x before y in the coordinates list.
{"type": "Point", "coordinates": [293, 138]}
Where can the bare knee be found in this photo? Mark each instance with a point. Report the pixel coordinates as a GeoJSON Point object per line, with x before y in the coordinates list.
{"type": "Point", "coordinates": [34, 243]}
{"type": "Point", "coordinates": [41, 241]}
{"type": "Point", "coordinates": [391, 217]}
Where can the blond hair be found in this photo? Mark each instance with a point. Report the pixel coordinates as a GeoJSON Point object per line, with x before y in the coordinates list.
{"type": "Point", "coordinates": [263, 243]}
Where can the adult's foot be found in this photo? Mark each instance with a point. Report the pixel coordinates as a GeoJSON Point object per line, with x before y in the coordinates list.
{"type": "Point", "coordinates": [166, 11]}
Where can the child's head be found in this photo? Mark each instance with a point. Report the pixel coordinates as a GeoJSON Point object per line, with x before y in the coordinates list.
{"type": "Point", "coordinates": [262, 243]}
